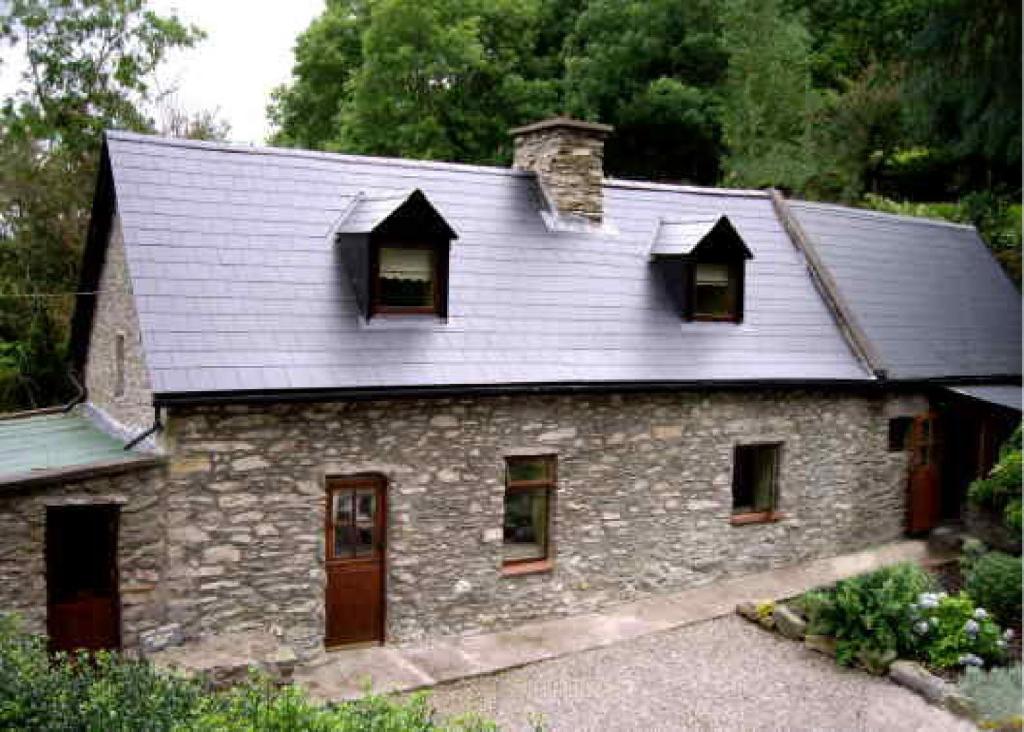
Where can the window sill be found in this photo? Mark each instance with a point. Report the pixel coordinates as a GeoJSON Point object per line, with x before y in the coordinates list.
{"type": "Point", "coordinates": [520, 568]}
{"type": "Point", "coordinates": [758, 517]}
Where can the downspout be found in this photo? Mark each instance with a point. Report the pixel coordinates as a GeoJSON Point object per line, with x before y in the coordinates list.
{"type": "Point", "coordinates": [156, 427]}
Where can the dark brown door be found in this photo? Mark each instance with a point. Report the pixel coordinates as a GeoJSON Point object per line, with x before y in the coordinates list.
{"type": "Point", "coordinates": [83, 606]}
{"type": "Point", "coordinates": [925, 479]}
{"type": "Point", "coordinates": [356, 528]}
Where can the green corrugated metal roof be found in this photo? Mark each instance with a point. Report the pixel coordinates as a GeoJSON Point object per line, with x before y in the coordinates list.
{"type": "Point", "coordinates": [54, 442]}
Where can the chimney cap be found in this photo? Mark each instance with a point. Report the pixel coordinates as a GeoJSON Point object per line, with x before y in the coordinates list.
{"type": "Point", "coordinates": [552, 123]}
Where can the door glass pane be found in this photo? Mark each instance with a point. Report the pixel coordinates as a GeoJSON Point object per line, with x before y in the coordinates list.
{"type": "Point", "coordinates": [344, 541]}
{"type": "Point", "coordinates": [365, 500]}
{"type": "Point", "coordinates": [363, 540]}
{"type": "Point", "coordinates": [342, 508]}
{"type": "Point", "coordinates": [526, 524]}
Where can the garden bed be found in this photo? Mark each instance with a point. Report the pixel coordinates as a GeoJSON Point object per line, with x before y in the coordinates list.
{"type": "Point", "coordinates": [921, 628]}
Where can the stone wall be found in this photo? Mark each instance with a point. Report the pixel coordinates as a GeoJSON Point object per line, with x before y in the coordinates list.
{"type": "Point", "coordinates": [642, 505]}
{"type": "Point", "coordinates": [141, 546]}
{"type": "Point", "coordinates": [115, 314]}
{"type": "Point", "coordinates": [569, 162]}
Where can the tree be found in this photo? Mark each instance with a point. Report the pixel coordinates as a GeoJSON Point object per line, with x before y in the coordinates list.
{"type": "Point", "coordinates": [328, 54]}
{"type": "Point", "coordinates": [440, 79]}
{"type": "Point", "coordinates": [653, 69]}
{"type": "Point", "coordinates": [89, 65]}
{"type": "Point", "coordinates": [965, 86]}
{"type": "Point", "coordinates": [768, 100]}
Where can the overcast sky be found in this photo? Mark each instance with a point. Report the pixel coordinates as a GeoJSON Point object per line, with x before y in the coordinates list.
{"type": "Point", "coordinates": [247, 52]}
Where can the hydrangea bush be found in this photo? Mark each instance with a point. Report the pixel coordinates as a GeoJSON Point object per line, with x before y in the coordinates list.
{"type": "Point", "coordinates": [951, 631]}
{"type": "Point", "coordinates": [897, 612]}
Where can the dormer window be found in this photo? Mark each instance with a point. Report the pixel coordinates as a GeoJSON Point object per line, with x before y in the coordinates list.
{"type": "Point", "coordinates": [716, 291]}
{"type": "Point", "coordinates": [702, 262]}
{"type": "Point", "coordinates": [406, 279]}
{"type": "Point", "coordinates": [395, 251]}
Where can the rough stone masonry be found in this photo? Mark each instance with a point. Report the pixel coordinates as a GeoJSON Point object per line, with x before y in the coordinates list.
{"type": "Point", "coordinates": [642, 504]}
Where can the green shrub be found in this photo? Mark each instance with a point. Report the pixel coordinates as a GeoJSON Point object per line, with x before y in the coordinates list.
{"type": "Point", "coordinates": [108, 692]}
{"type": "Point", "coordinates": [867, 615]}
{"type": "Point", "coordinates": [951, 631]}
{"type": "Point", "coordinates": [1001, 490]}
{"type": "Point", "coordinates": [994, 582]}
{"type": "Point", "coordinates": [996, 695]}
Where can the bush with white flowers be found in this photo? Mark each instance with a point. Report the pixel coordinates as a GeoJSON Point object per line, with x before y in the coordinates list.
{"type": "Point", "coordinates": [951, 631]}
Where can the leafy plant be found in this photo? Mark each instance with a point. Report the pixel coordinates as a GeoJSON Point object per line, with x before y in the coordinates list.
{"type": "Point", "coordinates": [952, 632]}
{"type": "Point", "coordinates": [109, 692]}
{"type": "Point", "coordinates": [867, 614]}
{"type": "Point", "coordinates": [1001, 490]}
{"type": "Point", "coordinates": [996, 694]}
{"type": "Point", "coordinates": [994, 581]}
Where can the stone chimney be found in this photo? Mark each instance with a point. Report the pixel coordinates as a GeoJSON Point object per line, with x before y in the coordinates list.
{"type": "Point", "coordinates": [567, 155]}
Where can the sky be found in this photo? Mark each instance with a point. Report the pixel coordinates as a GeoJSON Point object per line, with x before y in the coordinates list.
{"type": "Point", "coordinates": [247, 52]}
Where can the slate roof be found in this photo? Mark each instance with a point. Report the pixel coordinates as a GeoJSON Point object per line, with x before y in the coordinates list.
{"type": "Point", "coordinates": [927, 294]}
{"type": "Point", "coordinates": [238, 285]}
{"type": "Point", "coordinates": [56, 444]}
{"type": "Point", "coordinates": [1003, 395]}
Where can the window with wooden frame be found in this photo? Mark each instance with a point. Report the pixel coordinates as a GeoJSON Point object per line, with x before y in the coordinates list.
{"type": "Point", "coordinates": [717, 289]}
{"type": "Point", "coordinates": [899, 428]}
{"type": "Point", "coordinates": [119, 357]}
{"type": "Point", "coordinates": [526, 532]}
{"type": "Point", "coordinates": [755, 483]}
{"type": "Point", "coordinates": [406, 279]}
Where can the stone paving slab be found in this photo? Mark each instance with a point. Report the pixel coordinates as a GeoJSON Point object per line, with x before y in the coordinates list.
{"type": "Point", "coordinates": [342, 675]}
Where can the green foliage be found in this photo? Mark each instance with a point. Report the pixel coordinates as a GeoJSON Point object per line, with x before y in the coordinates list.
{"type": "Point", "coordinates": [108, 692]}
{"type": "Point", "coordinates": [953, 630]}
{"type": "Point", "coordinates": [867, 615]}
{"type": "Point", "coordinates": [653, 69]}
{"type": "Point", "coordinates": [996, 694]}
{"type": "Point", "coordinates": [1001, 490]}
{"type": "Point", "coordinates": [768, 100]}
{"type": "Point", "coordinates": [994, 582]}
{"type": "Point", "coordinates": [101, 692]}
{"type": "Point", "coordinates": [90, 64]}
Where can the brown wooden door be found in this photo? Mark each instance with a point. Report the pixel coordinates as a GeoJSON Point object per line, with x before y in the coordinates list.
{"type": "Point", "coordinates": [83, 604]}
{"type": "Point", "coordinates": [356, 529]}
{"type": "Point", "coordinates": [925, 479]}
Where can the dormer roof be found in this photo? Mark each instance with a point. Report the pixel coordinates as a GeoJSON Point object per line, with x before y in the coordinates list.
{"type": "Point", "coordinates": [683, 236]}
{"type": "Point", "coordinates": [368, 212]}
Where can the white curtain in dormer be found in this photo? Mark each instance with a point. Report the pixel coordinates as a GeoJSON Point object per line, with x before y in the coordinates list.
{"type": "Point", "coordinates": [405, 264]}
{"type": "Point", "coordinates": [713, 274]}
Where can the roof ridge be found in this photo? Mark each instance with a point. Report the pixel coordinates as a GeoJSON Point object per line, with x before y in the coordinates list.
{"type": "Point", "coordinates": [294, 152]}
{"type": "Point", "coordinates": [869, 213]}
{"type": "Point", "coordinates": [684, 188]}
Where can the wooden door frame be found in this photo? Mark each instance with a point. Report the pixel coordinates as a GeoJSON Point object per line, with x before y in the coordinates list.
{"type": "Point", "coordinates": [380, 483]}
{"type": "Point", "coordinates": [113, 510]}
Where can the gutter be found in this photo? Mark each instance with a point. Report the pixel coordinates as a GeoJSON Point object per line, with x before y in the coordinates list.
{"type": "Point", "coordinates": [79, 472]}
{"type": "Point", "coordinates": [473, 390]}
{"type": "Point", "coordinates": [828, 288]}
{"type": "Point", "coordinates": [878, 386]}
{"type": "Point", "coordinates": [156, 427]}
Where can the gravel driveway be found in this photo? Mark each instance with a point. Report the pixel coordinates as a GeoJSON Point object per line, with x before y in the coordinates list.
{"type": "Point", "coordinates": [722, 674]}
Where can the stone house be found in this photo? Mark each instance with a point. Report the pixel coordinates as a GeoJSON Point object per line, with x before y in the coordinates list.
{"type": "Point", "coordinates": [375, 400]}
